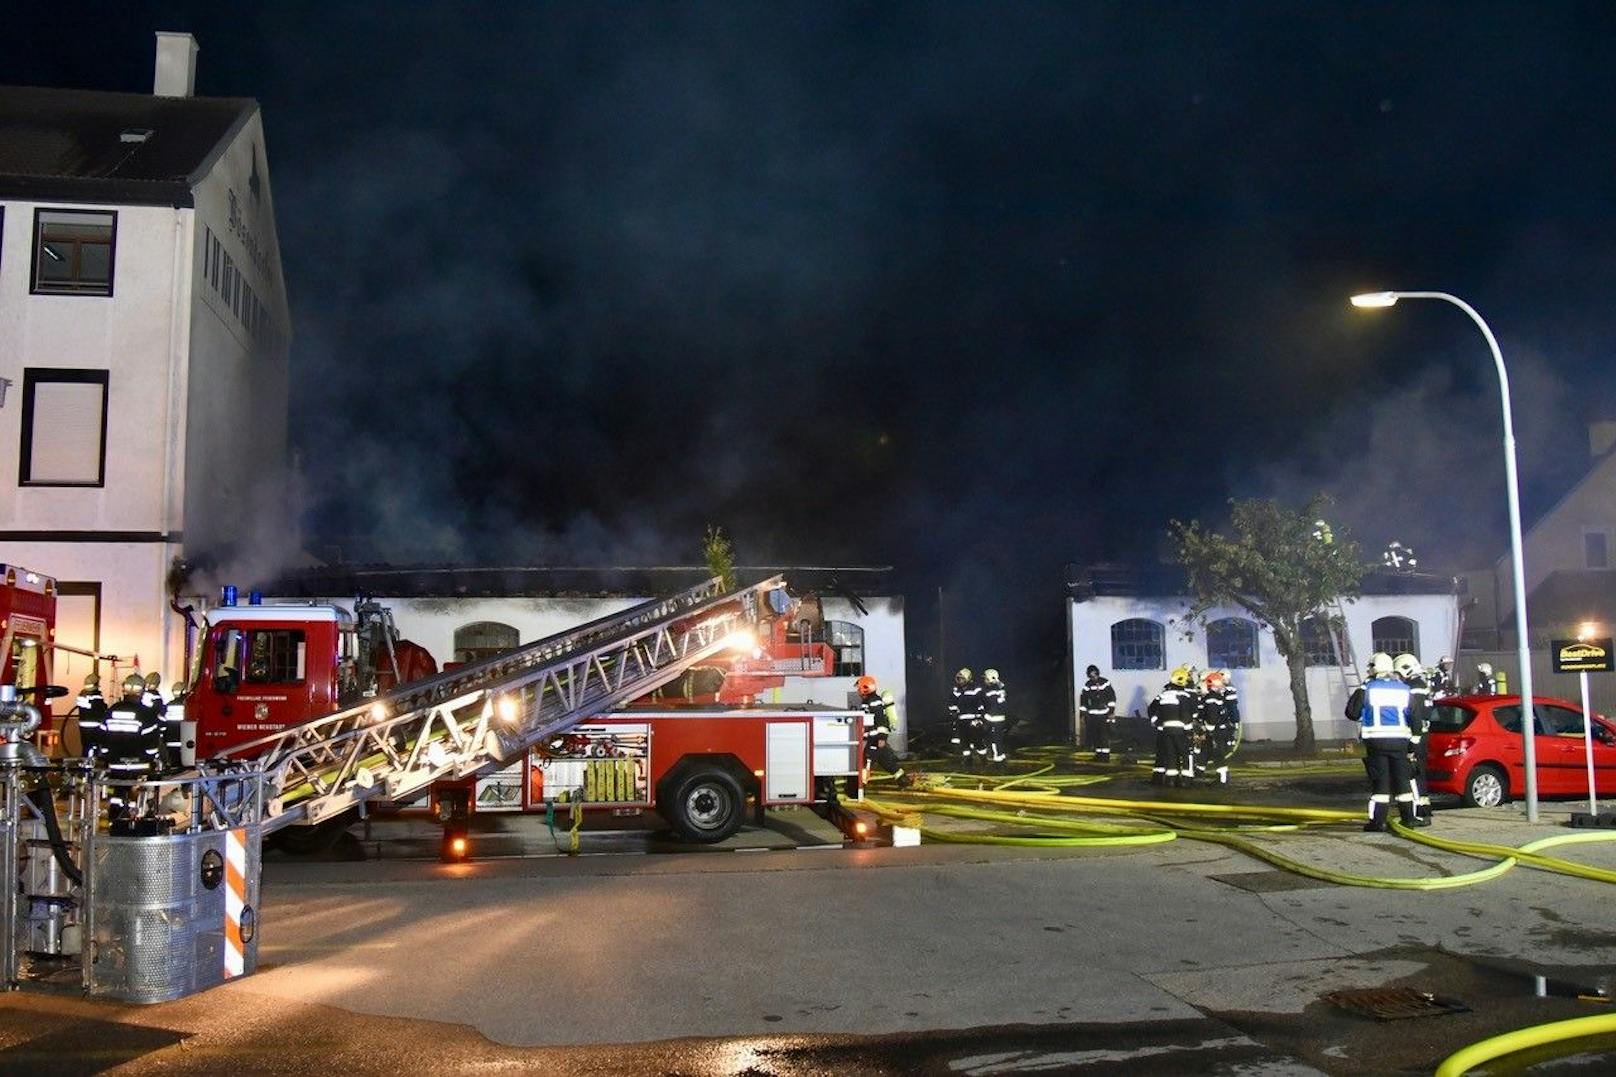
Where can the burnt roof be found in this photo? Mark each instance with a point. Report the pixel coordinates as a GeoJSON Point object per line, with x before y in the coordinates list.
{"type": "Point", "coordinates": [1084, 582]}
{"type": "Point", "coordinates": [534, 581]}
{"type": "Point", "coordinates": [68, 145]}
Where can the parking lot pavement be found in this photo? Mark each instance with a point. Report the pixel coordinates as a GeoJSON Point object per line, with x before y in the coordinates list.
{"type": "Point", "coordinates": [1170, 958]}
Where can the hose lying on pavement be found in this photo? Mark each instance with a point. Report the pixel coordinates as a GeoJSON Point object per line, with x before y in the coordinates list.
{"type": "Point", "coordinates": [1462, 1061]}
{"type": "Point", "coordinates": [1169, 820]}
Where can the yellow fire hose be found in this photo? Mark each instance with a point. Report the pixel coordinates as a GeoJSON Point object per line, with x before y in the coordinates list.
{"type": "Point", "coordinates": [1522, 1039]}
{"type": "Point", "coordinates": [1167, 819]}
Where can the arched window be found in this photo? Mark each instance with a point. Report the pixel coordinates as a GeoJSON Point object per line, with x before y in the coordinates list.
{"type": "Point", "coordinates": [1138, 644]}
{"type": "Point", "coordinates": [847, 640]}
{"type": "Point", "coordinates": [484, 639]}
{"type": "Point", "coordinates": [1317, 645]}
{"type": "Point", "coordinates": [1231, 643]}
{"type": "Point", "coordinates": [1396, 635]}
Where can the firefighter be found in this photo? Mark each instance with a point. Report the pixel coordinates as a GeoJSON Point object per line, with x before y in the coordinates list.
{"type": "Point", "coordinates": [92, 707]}
{"type": "Point", "coordinates": [152, 697]}
{"type": "Point", "coordinates": [965, 709]}
{"type": "Point", "coordinates": [1219, 716]}
{"type": "Point", "coordinates": [993, 715]}
{"type": "Point", "coordinates": [1442, 680]}
{"type": "Point", "coordinates": [1387, 719]}
{"type": "Point", "coordinates": [1098, 704]}
{"type": "Point", "coordinates": [880, 715]}
{"type": "Point", "coordinates": [133, 740]}
{"type": "Point", "coordinates": [1486, 683]}
{"type": "Point", "coordinates": [1170, 714]}
{"type": "Point", "coordinates": [1412, 674]}
{"type": "Point", "coordinates": [1195, 737]}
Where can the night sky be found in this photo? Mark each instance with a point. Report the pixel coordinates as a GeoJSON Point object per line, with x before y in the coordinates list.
{"type": "Point", "coordinates": [971, 290]}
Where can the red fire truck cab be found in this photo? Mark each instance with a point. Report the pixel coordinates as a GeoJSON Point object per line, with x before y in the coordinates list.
{"type": "Point", "coordinates": [261, 668]}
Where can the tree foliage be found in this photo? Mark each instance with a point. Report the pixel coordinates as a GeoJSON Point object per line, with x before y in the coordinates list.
{"type": "Point", "coordinates": [720, 554]}
{"type": "Point", "coordinates": [1279, 564]}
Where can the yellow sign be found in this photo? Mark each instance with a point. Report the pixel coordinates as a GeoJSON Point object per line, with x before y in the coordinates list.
{"type": "Point", "coordinates": [1583, 656]}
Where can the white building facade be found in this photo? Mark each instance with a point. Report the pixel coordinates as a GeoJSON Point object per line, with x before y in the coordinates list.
{"type": "Point", "coordinates": [143, 347]}
{"type": "Point", "coordinates": [512, 607]}
{"type": "Point", "coordinates": [1136, 630]}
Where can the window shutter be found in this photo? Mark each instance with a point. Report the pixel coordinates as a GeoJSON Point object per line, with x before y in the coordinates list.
{"type": "Point", "coordinates": [66, 432]}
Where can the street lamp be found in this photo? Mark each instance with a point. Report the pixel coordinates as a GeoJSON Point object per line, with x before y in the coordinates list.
{"type": "Point", "coordinates": [1517, 559]}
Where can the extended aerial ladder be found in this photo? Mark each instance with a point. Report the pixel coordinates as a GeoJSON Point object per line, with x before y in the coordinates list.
{"type": "Point", "coordinates": [469, 719]}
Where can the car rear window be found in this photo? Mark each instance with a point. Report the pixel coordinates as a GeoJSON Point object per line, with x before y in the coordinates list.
{"type": "Point", "coordinates": [1450, 718]}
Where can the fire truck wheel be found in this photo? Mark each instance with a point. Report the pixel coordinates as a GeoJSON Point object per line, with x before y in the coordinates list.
{"type": "Point", "coordinates": [707, 805]}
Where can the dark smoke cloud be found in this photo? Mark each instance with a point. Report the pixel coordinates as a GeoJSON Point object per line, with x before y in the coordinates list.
{"type": "Point", "coordinates": [971, 290]}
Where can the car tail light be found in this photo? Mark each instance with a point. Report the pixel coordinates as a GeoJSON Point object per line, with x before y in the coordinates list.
{"type": "Point", "coordinates": [1461, 746]}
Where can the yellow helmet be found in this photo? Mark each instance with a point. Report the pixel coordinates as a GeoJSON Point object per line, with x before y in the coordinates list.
{"type": "Point", "coordinates": [153, 680]}
{"type": "Point", "coordinates": [1380, 664]}
{"type": "Point", "coordinates": [92, 683]}
{"type": "Point", "coordinates": [1406, 665]}
{"type": "Point", "coordinates": [134, 684]}
{"type": "Point", "coordinates": [1180, 677]}
{"type": "Point", "coordinates": [990, 676]}
{"type": "Point", "coordinates": [962, 677]}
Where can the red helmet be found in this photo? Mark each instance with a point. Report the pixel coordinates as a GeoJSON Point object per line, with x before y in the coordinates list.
{"type": "Point", "coordinates": [865, 685]}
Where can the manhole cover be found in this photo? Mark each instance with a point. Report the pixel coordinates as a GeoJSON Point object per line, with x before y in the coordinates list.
{"type": "Point", "coordinates": [1393, 1003]}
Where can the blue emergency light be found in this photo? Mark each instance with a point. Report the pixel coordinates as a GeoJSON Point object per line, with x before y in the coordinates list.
{"type": "Point", "coordinates": [255, 597]}
{"type": "Point", "coordinates": [227, 595]}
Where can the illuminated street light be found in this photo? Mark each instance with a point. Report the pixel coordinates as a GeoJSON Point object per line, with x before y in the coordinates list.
{"type": "Point", "coordinates": [1517, 558]}
{"type": "Point", "coordinates": [1587, 630]}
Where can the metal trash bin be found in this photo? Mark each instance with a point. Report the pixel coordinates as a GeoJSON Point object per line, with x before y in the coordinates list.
{"type": "Point", "coordinates": [173, 914]}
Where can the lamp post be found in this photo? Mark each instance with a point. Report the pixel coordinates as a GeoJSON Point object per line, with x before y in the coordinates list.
{"type": "Point", "coordinates": [1517, 559]}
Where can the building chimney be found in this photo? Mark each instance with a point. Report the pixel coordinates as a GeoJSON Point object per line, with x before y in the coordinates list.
{"type": "Point", "coordinates": [1601, 437]}
{"type": "Point", "coordinates": [175, 75]}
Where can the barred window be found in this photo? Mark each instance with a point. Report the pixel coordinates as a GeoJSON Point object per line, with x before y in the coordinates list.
{"type": "Point", "coordinates": [484, 639]}
{"type": "Point", "coordinates": [1138, 643]}
{"type": "Point", "coordinates": [1396, 635]}
{"type": "Point", "coordinates": [1231, 643]}
{"type": "Point", "coordinates": [1317, 646]}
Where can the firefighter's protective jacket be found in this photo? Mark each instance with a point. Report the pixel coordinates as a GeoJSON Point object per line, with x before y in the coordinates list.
{"type": "Point", "coordinates": [92, 723]}
{"type": "Point", "coordinates": [1098, 699]}
{"type": "Point", "coordinates": [966, 702]}
{"type": "Point", "coordinates": [1220, 708]}
{"type": "Point", "coordinates": [1389, 711]}
{"type": "Point", "coordinates": [132, 738]}
{"type": "Point", "coordinates": [993, 697]}
{"type": "Point", "coordinates": [1172, 708]}
{"type": "Point", "coordinates": [878, 717]}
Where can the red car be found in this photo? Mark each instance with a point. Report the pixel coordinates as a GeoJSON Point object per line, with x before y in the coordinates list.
{"type": "Point", "coordinates": [1476, 750]}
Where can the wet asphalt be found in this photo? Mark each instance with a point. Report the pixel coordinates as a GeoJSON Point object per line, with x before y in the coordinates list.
{"type": "Point", "coordinates": [244, 1030]}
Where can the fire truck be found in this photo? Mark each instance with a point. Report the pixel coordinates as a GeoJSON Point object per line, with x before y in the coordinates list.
{"type": "Point", "coordinates": [696, 749]}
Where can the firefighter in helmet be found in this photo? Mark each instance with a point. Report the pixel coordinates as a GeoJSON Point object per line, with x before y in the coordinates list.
{"type": "Point", "coordinates": [152, 696]}
{"type": "Point", "coordinates": [993, 714]}
{"type": "Point", "coordinates": [1410, 672]}
{"type": "Point", "coordinates": [1098, 702]}
{"type": "Point", "coordinates": [880, 715]}
{"type": "Point", "coordinates": [92, 709]}
{"type": "Point", "coordinates": [1170, 714]}
{"type": "Point", "coordinates": [1219, 717]}
{"type": "Point", "coordinates": [1486, 682]}
{"type": "Point", "coordinates": [1389, 716]}
{"type": "Point", "coordinates": [133, 742]}
{"type": "Point", "coordinates": [965, 713]}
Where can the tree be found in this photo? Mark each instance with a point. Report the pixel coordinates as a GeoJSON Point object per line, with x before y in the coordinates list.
{"type": "Point", "coordinates": [720, 554]}
{"type": "Point", "coordinates": [1280, 565]}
